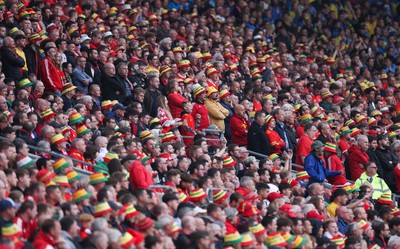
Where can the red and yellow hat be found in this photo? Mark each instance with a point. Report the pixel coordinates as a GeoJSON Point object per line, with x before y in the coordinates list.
{"type": "Point", "coordinates": [228, 161]}
{"type": "Point", "coordinates": [127, 240]}
{"type": "Point", "coordinates": [145, 134]}
{"type": "Point", "coordinates": [101, 208]}
{"type": "Point", "coordinates": [232, 236]}
{"type": "Point", "coordinates": [57, 139]}
{"type": "Point", "coordinates": [339, 241]}
{"type": "Point", "coordinates": [61, 180]}
{"type": "Point", "coordinates": [106, 104]}
{"type": "Point", "coordinates": [220, 195]}
{"type": "Point", "coordinates": [59, 165]}
{"type": "Point", "coordinates": [360, 119]}
{"type": "Point", "coordinates": [257, 229]}
{"type": "Point", "coordinates": [395, 211]}
{"type": "Point", "coordinates": [355, 131]}
{"type": "Point", "coordinates": [224, 93]}
{"type": "Point", "coordinates": [10, 231]}
{"type": "Point", "coordinates": [164, 69]}
{"type": "Point", "coordinates": [299, 241]}
{"type": "Point", "coordinates": [177, 50]}
{"type": "Point", "coordinates": [75, 118]}
{"type": "Point", "coordinates": [167, 137]}
{"type": "Point", "coordinates": [197, 194]}
{"type": "Point", "coordinates": [302, 175]}
{"type": "Point", "coordinates": [97, 178]}
{"type": "Point", "coordinates": [331, 147]}
{"type": "Point", "coordinates": [268, 119]}
{"type": "Point", "coordinates": [273, 157]}
{"type": "Point", "coordinates": [79, 195]}
{"type": "Point", "coordinates": [47, 114]}
{"type": "Point", "coordinates": [109, 156]}
{"type": "Point", "coordinates": [45, 176]}
{"type": "Point", "coordinates": [198, 90]}
{"type": "Point", "coordinates": [275, 239]}
{"type": "Point", "coordinates": [376, 113]}
{"type": "Point", "coordinates": [183, 197]}
{"type": "Point", "coordinates": [385, 199]}
{"type": "Point", "coordinates": [206, 56]}
{"type": "Point", "coordinates": [305, 118]}
{"type": "Point", "coordinates": [184, 63]}
{"type": "Point", "coordinates": [363, 224]}
{"type": "Point", "coordinates": [211, 71]}
{"type": "Point", "coordinates": [326, 94]}
{"type": "Point", "coordinates": [72, 176]}
{"type": "Point", "coordinates": [247, 240]}
{"type": "Point", "coordinates": [129, 210]}
{"type": "Point", "coordinates": [82, 130]}
{"type": "Point", "coordinates": [372, 121]}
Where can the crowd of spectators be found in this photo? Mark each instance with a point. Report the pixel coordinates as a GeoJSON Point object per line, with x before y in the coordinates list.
{"type": "Point", "coordinates": [199, 124]}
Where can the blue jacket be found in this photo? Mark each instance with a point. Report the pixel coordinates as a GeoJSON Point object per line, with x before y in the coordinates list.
{"type": "Point", "coordinates": [342, 226]}
{"type": "Point", "coordinates": [316, 169]}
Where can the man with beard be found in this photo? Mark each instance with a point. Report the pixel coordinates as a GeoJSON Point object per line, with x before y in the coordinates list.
{"type": "Point", "coordinates": [92, 67]}
{"type": "Point", "coordinates": [216, 111]}
{"type": "Point", "coordinates": [387, 160]}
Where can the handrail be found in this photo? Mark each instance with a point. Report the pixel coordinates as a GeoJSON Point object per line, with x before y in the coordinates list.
{"type": "Point", "coordinates": [53, 153]}
{"type": "Point", "coordinates": [56, 155]}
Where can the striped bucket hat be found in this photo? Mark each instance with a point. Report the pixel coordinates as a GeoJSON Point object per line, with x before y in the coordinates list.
{"type": "Point", "coordinates": [75, 118]}
{"type": "Point", "coordinates": [197, 194]}
{"type": "Point", "coordinates": [101, 208]}
{"type": "Point", "coordinates": [228, 162]}
{"type": "Point", "coordinates": [331, 147]}
{"type": "Point", "coordinates": [59, 165]}
{"type": "Point", "coordinates": [97, 178]}
{"type": "Point", "coordinates": [61, 180]}
{"type": "Point", "coordinates": [72, 175]}
{"type": "Point", "coordinates": [25, 162]}
{"type": "Point", "coordinates": [79, 195]}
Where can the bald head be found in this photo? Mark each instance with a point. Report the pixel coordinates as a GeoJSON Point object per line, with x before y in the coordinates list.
{"type": "Point", "coordinates": [239, 110]}
{"type": "Point", "coordinates": [9, 42]}
{"type": "Point", "coordinates": [109, 69]}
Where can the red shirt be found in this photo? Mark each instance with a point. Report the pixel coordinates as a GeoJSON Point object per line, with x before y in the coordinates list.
{"type": "Point", "coordinates": [357, 161]}
{"type": "Point", "coordinates": [239, 128]}
{"type": "Point", "coordinates": [276, 141]}
{"type": "Point", "coordinates": [175, 101]}
{"type": "Point", "coordinates": [204, 120]}
{"type": "Point", "coordinates": [303, 148]}
{"type": "Point", "coordinates": [334, 163]}
{"type": "Point", "coordinates": [27, 228]}
{"type": "Point", "coordinates": [397, 176]}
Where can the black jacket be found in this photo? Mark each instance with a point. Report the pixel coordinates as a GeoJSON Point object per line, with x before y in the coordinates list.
{"type": "Point", "coordinates": [68, 103]}
{"type": "Point", "coordinates": [12, 64]}
{"type": "Point", "coordinates": [112, 88]}
{"type": "Point", "coordinates": [150, 102]}
{"type": "Point", "coordinates": [33, 59]}
{"type": "Point", "coordinates": [388, 162]}
{"type": "Point", "coordinates": [374, 158]}
{"type": "Point", "coordinates": [257, 141]}
{"type": "Point", "coordinates": [282, 132]}
{"type": "Point", "coordinates": [93, 70]}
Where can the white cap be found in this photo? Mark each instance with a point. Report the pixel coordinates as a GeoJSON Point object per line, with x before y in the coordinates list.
{"type": "Point", "coordinates": [84, 38]}
{"type": "Point", "coordinates": [126, 7]}
{"type": "Point", "coordinates": [108, 34]}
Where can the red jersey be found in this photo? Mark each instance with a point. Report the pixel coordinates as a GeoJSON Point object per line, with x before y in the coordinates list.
{"type": "Point", "coordinates": [303, 148]}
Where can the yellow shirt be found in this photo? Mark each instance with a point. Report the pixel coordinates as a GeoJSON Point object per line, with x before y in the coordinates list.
{"type": "Point", "coordinates": [331, 208]}
{"type": "Point", "coordinates": [22, 54]}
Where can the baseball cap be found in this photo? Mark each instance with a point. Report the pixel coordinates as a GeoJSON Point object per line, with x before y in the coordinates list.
{"type": "Point", "coordinates": [288, 209]}
{"type": "Point", "coordinates": [316, 144]}
{"type": "Point", "coordinates": [119, 107]}
{"type": "Point", "coordinates": [7, 203]}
